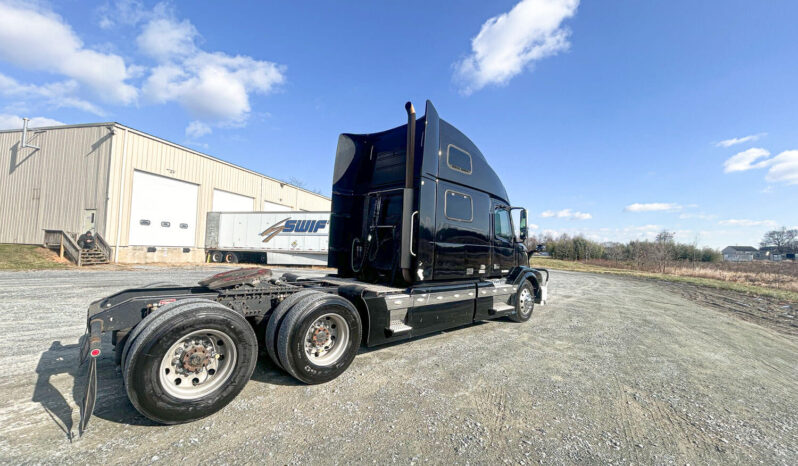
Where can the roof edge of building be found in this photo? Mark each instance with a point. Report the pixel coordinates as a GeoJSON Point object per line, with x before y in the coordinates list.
{"type": "Point", "coordinates": [166, 141]}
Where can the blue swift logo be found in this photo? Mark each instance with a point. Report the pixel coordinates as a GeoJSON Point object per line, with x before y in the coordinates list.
{"type": "Point", "coordinates": [304, 226]}
{"type": "Point", "coordinates": [293, 226]}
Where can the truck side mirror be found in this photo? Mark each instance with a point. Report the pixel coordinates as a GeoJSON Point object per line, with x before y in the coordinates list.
{"type": "Point", "coordinates": [524, 231]}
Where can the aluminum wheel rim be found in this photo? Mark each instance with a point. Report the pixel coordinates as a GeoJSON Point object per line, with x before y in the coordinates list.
{"type": "Point", "coordinates": [526, 301]}
{"type": "Point", "coordinates": [180, 382]}
{"type": "Point", "coordinates": [326, 340]}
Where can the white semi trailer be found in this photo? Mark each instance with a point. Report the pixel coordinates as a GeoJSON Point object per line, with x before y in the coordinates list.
{"type": "Point", "coordinates": [281, 238]}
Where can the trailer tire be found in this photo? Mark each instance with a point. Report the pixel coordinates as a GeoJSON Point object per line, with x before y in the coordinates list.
{"type": "Point", "coordinates": [202, 325]}
{"type": "Point", "coordinates": [217, 256]}
{"type": "Point", "coordinates": [231, 258]}
{"type": "Point", "coordinates": [277, 317]}
{"type": "Point", "coordinates": [131, 336]}
{"type": "Point", "coordinates": [524, 302]}
{"type": "Point", "coordinates": [336, 321]}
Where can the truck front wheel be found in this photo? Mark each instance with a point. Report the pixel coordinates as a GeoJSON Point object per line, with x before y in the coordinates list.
{"type": "Point", "coordinates": [524, 302]}
{"type": "Point", "coordinates": [189, 362]}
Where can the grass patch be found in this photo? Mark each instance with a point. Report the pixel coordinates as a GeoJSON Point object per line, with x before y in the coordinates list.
{"type": "Point", "coordinates": [28, 257]}
{"type": "Point", "coordinates": [746, 288]}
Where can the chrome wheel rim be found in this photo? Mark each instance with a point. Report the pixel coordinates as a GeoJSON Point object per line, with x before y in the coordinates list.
{"type": "Point", "coordinates": [326, 340]}
{"type": "Point", "coordinates": [197, 364]}
{"type": "Point", "coordinates": [525, 301]}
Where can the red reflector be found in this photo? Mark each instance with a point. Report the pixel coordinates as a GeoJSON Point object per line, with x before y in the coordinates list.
{"type": "Point", "coordinates": [165, 301]}
{"type": "Point", "coordinates": [95, 353]}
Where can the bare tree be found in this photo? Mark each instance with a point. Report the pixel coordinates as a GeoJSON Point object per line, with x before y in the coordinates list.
{"type": "Point", "coordinates": [663, 249]}
{"type": "Point", "coordinates": [782, 240]}
{"type": "Point", "coordinates": [296, 182]}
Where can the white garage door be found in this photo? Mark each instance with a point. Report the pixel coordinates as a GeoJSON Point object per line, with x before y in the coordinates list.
{"type": "Point", "coordinates": [272, 207]}
{"type": "Point", "coordinates": [225, 201]}
{"type": "Point", "coordinates": [163, 211]}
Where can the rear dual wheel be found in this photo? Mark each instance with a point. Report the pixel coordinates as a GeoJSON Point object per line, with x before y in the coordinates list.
{"type": "Point", "coordinates": [188, 360]}
{"type": "Point", "coordinates": [315, 336]}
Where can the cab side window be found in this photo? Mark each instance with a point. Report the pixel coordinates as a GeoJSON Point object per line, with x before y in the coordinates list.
{"type": "Point", "coordinates": [501, 224]}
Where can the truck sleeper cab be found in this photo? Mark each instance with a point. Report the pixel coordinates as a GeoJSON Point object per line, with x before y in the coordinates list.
{"type": "Point", "coordinates": [421, 244]}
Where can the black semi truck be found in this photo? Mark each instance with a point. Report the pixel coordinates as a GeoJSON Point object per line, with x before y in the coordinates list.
{"type": "Point", "coordinates": [421, 235]}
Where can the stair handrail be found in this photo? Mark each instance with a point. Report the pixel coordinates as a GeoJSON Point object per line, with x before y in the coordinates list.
{"type": "Point", "coordinates": [69, 247]}
{"type": "Point", "coordinates": [103, 246]}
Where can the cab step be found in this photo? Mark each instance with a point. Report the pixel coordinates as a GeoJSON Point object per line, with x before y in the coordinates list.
{"type": "Point", "coordinates": [397, 327]}
{"type": "Point", "coordinates": [502, 309]}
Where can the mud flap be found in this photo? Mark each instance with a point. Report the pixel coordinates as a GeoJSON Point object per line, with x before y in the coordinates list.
{"type": "Point", "coordinates": [89, 352]}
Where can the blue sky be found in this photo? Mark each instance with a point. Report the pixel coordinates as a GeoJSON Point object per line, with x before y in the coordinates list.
{"type": "Point", "coordinates": [609, 119]}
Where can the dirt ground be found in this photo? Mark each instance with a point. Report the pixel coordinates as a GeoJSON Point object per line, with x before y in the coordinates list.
{"type": "Point", "coordinates": [613, 370]}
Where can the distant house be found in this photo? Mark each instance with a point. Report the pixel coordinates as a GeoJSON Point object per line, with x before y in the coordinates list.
{"type": "Point", "coordinates": [767, 253]}
{"type": "Point", "coordinates": [739, 253]}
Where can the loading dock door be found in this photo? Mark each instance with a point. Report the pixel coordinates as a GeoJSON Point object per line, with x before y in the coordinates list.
{"type": "Point", "coordinates": [274, 207]}
{"type": "Point", "coordinates": [224, 201]}
{"type": "Point", "coordinates": [163, 211]}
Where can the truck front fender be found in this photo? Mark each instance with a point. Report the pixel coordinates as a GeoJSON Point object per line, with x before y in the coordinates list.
{"type": "Point", "coordinates": [538, 277]}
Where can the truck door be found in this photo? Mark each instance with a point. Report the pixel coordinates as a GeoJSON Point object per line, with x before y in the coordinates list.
{"type": "Point", "coordinates": [503, 250]}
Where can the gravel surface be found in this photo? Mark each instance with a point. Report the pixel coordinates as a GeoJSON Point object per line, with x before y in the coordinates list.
{"type": "Point", "coordinates": [613, 370]}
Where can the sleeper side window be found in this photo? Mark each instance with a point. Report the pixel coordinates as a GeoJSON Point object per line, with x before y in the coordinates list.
{"type": "Point", "coordinates": [459, 206]}
{"type": "Point", "coordinates": [458, 159]}
{"type": "Point", "coordinates": [501, 224]}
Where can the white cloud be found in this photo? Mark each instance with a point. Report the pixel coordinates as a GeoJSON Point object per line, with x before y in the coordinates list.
{"type": "Point", "coordinates": [57, 94]}
{"type": "Point", "coordinates": [507, 43]}
{"type": "Point", "coordinates": [532, 226]}
{"type": "Point", "coordinates": [566, 213]}
{"type": "Point", "coordinates": [744, 160]}
{"type": "Point", "coordinates": [166, 39]}
{"type": "Point", "coordinates": [653, 207]}
{"type": "Point", "coordinates": [41, 40]}
{"type": "Point", "coordinates": [747, 223]}
{"type": "Point", "coordinates": [213, 87]}
{"type": "Point", "coordinates": [197, 129]}
{"type": "Point", "coordinates": [735, 141]}
{"type": "Point", "coordinates": [784, 168]}
{"type": "Point", "coordinates": [127, 13]}
{"type": "Point", "coordinates": [15, 122]}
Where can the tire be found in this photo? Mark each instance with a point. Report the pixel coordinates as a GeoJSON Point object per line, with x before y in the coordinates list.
{"type": "Point", "coordinates": [524, 302]}
{"type": "Point", "coordinates": [150, 317]}
{"type": "Point", "coordinates": [345, 336]}
{"type": "Point", "coordinates": [277, 317]}
{"type": "Point", "coordinates": [231, 258]}
{"type": "Point", "coordinates": [149, 367]}
{"type": "Point", "coordinates": [217, 256]}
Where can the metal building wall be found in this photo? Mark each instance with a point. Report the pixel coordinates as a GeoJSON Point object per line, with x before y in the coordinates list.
{"type": "Point", "coordinates": [135, 150]}
{"type": "Point", "coordinates": [51, 187]}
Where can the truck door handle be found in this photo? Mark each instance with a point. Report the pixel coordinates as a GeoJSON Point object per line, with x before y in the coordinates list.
{"type": "Point", "coordinates": [411, 233]}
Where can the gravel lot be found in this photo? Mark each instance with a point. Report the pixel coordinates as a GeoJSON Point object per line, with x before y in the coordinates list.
{"type": "Point", "coordinates": [612, 370]}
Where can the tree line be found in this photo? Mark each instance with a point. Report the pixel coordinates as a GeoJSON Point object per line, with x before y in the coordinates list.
{"type": "Point", "coordinates": [641, 253]}
{"type": "Point", "coordinates": [647, 254]}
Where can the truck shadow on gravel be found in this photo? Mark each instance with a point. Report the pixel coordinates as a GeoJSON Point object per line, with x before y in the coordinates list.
{"type": "Point", "coordinates": [58, 359]}
{"type": "Point", "coordinates": [112, 402]}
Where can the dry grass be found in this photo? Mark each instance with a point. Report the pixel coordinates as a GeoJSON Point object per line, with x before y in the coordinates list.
{"type": "Point", "coordinates": [779, 281]}
{"type": "Point", "coordinates": [27, 257]}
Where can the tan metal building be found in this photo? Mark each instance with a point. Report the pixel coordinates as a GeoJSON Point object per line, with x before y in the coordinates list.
{"type": "Point", "coordinates": [146, 196]}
